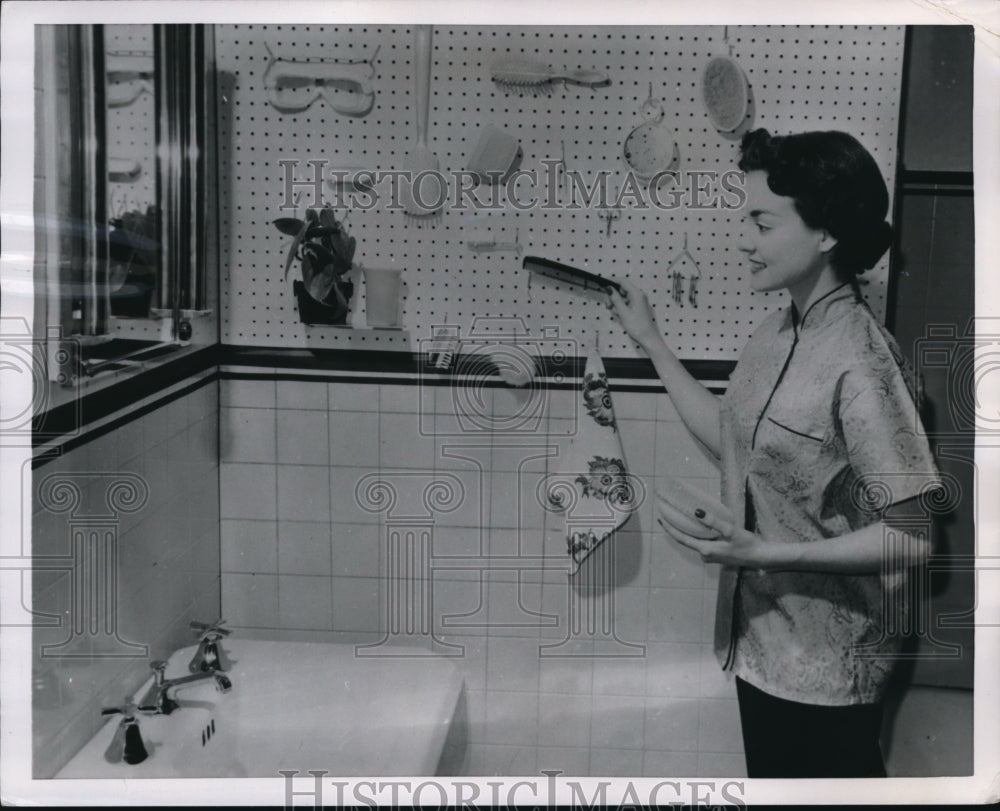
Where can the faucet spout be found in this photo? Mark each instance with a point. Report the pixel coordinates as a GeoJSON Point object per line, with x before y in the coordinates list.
{"type": "Point", "coordinates": [158, 699]}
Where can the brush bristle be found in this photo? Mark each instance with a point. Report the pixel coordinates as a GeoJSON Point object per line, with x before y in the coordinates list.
{"type": "Point", "coordinates": [724, 92]}
{"type": "Point", "coordinates": [521, 72]}
{"type": "Point", "coordinates": [525, 89]}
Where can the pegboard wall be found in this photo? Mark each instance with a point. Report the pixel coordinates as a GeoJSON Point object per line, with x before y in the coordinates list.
{"type": "Point", "coordinates": [131, 136]}
{"type": "Point", "coordinates": [801, 78]}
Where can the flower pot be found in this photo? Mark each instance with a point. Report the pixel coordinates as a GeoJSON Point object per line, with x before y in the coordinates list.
{"type": "Point", "coordinates": [315, 312]}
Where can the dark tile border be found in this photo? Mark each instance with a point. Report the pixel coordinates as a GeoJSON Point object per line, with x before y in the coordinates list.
{"type": "Point", "coordinates": [69, 420]}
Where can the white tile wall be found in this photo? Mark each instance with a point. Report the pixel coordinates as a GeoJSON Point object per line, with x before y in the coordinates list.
{"type": "Point", "coordinates": [303, 493]}
{"type": "Point", "coordinates": [299, 394]}
{"type": "Point", "coordinates": [248, 491]}
{"type": "Point", "coordinates": [302, 437]}
{"type": "Point", "coordinates": [668, 711]}
{"type": "Point", "coordinates": [168, 564]}
{"type": "Point", "coordinates": [250, 600]}
{"type": "Point", "coordinates": [304, 548]}
{"type": "Point", "coordinates": [305, 602]}
{"type": "Point", "coordinates": [249, 546]}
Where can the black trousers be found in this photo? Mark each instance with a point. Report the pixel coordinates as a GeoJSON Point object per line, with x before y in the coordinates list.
{"type": "Point", "coordinates": [788, 739]}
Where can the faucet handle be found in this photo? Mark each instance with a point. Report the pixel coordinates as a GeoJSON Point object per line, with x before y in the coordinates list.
{"type": "Point", "coordinates": [127, 709]}
{"type": "Point", "coordinates": [126, 744]}
{"type": "Point", "coordinates": [159, 669]}
{"type": "Point", "coordinates": [213, 629]}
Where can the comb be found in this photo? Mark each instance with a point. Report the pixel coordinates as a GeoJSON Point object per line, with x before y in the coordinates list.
{"type": "Point", "coordinates": [572, 275]}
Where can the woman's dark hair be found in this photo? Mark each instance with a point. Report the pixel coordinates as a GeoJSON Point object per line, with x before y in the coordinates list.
{"type": "Point", "coordinates": [836, 186]}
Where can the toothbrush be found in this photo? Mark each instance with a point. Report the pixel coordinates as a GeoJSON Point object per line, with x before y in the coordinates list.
{"type": "Point", "coordinates": [493, 245]}
{"type": "Point", "coordinates": [490, 245]}
{"type": "Point", "coordinates": [537, 77]}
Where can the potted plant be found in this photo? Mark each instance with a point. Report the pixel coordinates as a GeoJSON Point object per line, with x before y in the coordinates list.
{"type": "Point", "coordinates": [326, 253]}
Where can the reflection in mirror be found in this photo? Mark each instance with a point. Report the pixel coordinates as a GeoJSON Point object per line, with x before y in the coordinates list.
{"type": "Point", "coordinates": [125, 197]}
{"type": "Point", "coordinates": [131, 148]}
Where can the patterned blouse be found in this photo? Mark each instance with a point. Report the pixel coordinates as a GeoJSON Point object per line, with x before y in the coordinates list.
{"type": "Point", "coordinates": [819, 433]}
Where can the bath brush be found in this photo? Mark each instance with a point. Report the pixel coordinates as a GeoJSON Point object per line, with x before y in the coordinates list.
{"type": "Point", "coordinates": [725, 92]}
{"type": "Point", "coordinates": [494, 156]}
{"type": "Point", "coordinates": [537, 77]}
{"type": "Point", "coordinates": [419, 160]}
{"type": "Point", "coordinates": [650, 147]}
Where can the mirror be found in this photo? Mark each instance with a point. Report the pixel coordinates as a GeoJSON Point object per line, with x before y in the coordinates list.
{"type": "Point", "coordinates": [126, 242]}
{"type": "Point", "coordinates": [130, 137]}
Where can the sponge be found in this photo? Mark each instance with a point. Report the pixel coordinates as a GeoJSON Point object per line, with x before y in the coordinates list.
{"type": "Point", "coordinates": [494, 156]}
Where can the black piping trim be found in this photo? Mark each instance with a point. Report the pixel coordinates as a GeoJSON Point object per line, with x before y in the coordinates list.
{"type": "Point", "coordinates": [781, 374]}
{"type": "Point", "coordinates": [797, 325]}
{"type": "Point", "coordinates": [798, 322]}
{"type": "Point", "coordinates": [731, 652]}
{"type": "Point", "coordinates": [793, 431]}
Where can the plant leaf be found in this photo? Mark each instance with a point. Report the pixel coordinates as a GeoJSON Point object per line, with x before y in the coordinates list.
{"type": "Point", "coordinates": [320, 255]}
{"type": "Point", "coordinates": [317, 271]}
{"type": "Point", "coordinates": [343, 248]}
{"type": "Point", "coordinates": [341, 306]}
{"type": "Point", "coordinates": [320, 285]}
{"type": "Point", "coordinates": [328, 218]}
{"type": "Point", "coordinates": [320, 231]}
{"type": "Point", "coordinates": [295, 245]}
{"type": "Point", "coordinates": [289, 225]}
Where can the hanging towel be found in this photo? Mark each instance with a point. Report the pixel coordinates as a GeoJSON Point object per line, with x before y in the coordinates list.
{"type": "Point", "coordinates": [595, 467]}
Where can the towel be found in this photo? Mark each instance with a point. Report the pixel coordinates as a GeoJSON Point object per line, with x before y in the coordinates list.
{"type": "Point", "coordinates": [602, 496]}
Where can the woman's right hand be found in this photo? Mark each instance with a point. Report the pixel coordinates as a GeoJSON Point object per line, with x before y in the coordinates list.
{"type": "Point", "coordinates": [635, 314]}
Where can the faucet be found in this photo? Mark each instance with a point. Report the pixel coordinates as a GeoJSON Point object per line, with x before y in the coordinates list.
{"type": "Point", "coordinates": [126, 745]}
{"type": "Point", "coordinates": [157, 698]}
{"type": "Point", "coordinates": [210, 656]}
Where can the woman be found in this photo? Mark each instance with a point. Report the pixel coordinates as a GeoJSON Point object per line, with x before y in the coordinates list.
{"type": "Point", "coordinates": [822, 458]}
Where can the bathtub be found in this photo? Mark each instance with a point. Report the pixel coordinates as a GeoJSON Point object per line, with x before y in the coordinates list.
{"type": "Point", "coordinates": [293, 706]}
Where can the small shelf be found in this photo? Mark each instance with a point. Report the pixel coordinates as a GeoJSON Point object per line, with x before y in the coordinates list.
{"type": "Point", "coordinates": [321, 337]}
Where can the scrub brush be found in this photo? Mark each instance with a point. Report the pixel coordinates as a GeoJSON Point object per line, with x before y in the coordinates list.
{"type": "Point", "coordinates": [420, 162]}
{"type": "Point", "coordinates": [725, 90]}
{"type": "Point", "coordinates": [537, 77]}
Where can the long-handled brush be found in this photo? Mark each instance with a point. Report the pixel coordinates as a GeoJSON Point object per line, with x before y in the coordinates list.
{"type": "Point", "coordinates": [420, 191]}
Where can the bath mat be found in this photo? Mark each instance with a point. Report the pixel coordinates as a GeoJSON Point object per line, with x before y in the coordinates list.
{"type": "Point", "coordinates": [602, 496]}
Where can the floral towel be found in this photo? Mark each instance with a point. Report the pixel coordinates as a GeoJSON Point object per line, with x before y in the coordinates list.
{"type": "Point", "coordinates": [602, 496]}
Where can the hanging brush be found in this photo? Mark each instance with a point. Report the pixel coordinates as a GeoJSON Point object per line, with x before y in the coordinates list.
{"type": "Point", "coordinates": [725, 90]}
{"type": "Point", "coordinates": [526, 75]}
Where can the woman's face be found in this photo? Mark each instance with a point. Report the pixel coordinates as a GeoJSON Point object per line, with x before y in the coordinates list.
{"type": "Point", "coordinates": [783, 251]}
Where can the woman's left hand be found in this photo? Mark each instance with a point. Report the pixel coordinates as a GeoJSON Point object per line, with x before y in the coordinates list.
{"type": "Point", "coordinates": [734, 545]}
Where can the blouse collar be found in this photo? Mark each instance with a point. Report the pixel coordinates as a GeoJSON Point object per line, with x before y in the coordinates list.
{"type": "Point", "coordinates": [817, 312]}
